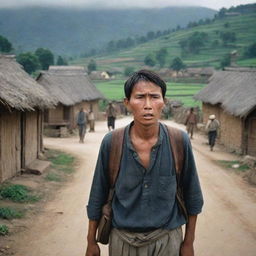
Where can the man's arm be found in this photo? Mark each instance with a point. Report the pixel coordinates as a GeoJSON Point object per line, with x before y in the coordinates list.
{"type": "Point", "coordinates": [187, 247]}
{"type": "Point", "coordinates": [92, 246]}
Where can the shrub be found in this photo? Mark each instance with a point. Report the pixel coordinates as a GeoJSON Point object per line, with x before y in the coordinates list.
{"type": "Point", "coordinates": [4, 230]}
{"type": "Point", "coordinates": [128, 71]}
{"type": "Point", "coordinates": [9, 213]}
{"type": "Point", "coordinates": [17, 193]}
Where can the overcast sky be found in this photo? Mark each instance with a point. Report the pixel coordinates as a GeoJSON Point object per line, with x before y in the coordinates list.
{"type": "Point", "coordinates": [125, 3]}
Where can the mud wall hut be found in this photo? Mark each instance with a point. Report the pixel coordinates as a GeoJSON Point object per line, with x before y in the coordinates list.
{"type": "Point", "coordinates": [231, 96]}
{"type": "Point", "coordinates": [22, 100]}
{"type": "Point", "coordinates": [71, 86]}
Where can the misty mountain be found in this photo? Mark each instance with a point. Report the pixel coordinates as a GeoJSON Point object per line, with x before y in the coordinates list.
{"type": "Point", "coordinates": [75, 31]}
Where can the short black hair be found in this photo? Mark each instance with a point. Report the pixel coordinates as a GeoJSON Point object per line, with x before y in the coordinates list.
{"type": "Point", "coordinates": [143, 75]}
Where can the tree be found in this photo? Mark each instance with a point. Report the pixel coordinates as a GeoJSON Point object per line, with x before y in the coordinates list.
{"type": "Point", "coordinates": [225, 62]}
{"type": "Point", "coordinates": [29, 61]}
{"type": "Point", "coordinates": [228, 37]}
{"type": "Point", "coordinates": [92, 66]}
{"type": "Point", "coordinates": [194, 42]}
{"type": "Point", "coordinates": [128, 71]}
{"type": "Point", "coordinates": [149, 60]}
{"type": "Point", "coordinates": [150, 35]}
{"type": "Point", "coordinates": [250, 52]}
{"type": "Point", "coordinates": [177, 64]}
{"type": "Point", "coordinates": [61, 61]}
{"type": "Point", "coordinates": [5, 45]}
{"type": "Point", "coordinates": [45, 57]}
{"type": "Point", "coordinates": [161, 56]}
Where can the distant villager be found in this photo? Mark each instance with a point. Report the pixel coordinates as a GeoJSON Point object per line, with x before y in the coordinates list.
{"type": "Point", "coordinates": [91, 119]}
{"type": "Point", "coordinates": [212, 127]}
{"type": "Point", "coordinates": [81, 123]}
{"type": "Point", "coordinates": [191, 122]}
{"type": "Point", "coordinates": [111, 116]}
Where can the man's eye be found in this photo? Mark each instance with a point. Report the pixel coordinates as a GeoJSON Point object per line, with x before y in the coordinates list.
{"type": "Point", "coordinates": [156, 96]}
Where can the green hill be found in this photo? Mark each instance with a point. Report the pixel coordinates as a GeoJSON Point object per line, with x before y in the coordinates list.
{"type": "Point", "coordinates": [242, 25]}
{"type": "Point", "coordinates": [70, 32]}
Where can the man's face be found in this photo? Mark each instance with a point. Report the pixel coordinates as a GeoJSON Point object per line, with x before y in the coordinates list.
{"type": "Point", "coordinates": [146, 103]}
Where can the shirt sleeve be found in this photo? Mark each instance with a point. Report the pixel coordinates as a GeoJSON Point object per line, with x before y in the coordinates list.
{"type": "Point", "coordinates": [100, 183]}
{"type": "Point", "coordinates": [190, 182]}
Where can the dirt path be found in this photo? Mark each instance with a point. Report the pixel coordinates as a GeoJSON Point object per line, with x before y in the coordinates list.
{"type": "Point", "coordinates": [227, 226]}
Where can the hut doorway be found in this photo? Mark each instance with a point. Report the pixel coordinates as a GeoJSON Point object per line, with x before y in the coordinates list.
{"type": "Point", "coordinates": [66, 113]}
{"type": "Point", "coordinates": [22, 139]}
{"type": "Point", "coordinates": [252, 137]}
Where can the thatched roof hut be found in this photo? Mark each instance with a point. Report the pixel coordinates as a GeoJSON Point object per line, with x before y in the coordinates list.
{"type": "Point", "coordinates": [18, 90]}
{"type": "Point", "coordinates": [231, 96]}
{"type": "Point", "coordinates": [21, 102]}
{"type": "Point", "coordinates": [69, 84]}
{"type": "Point", "coordinates": [72, 88]}
{"type": "Point", "coordinates": [235, 91]}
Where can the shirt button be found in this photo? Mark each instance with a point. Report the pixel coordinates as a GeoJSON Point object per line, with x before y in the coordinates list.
{"type": "Point", "coordinates": [146, 186]}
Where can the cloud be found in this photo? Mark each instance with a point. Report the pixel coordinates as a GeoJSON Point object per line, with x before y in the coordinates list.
{"type": "Point", "coordinates": [123, 3]}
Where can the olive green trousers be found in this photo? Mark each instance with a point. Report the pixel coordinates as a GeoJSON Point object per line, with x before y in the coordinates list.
{"type": "Point", "coordinates": [157, 243]}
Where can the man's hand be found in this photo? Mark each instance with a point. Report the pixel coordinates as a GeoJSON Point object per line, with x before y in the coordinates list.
{"type": "Point", "coordinates": [187, 249]}
{"type": "Point", "coordinates": [93, 250]}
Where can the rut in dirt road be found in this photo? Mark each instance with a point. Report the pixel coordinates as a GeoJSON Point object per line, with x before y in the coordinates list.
{"type": "Point", "coordinates": [226, 227]}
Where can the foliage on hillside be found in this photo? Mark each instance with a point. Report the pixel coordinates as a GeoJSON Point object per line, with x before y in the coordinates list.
{"type": "Point", "coordinates": [75, 31]}
{"type": "Point", "coordinates": [218, 39]}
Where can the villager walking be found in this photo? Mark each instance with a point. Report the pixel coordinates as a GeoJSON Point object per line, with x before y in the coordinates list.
{"type": "Point", "coordinates": [91, 120]}
{"type": "Point", "coordinates": [191, 122]}
{"type": "Point", "coordinates": [149, 199]}
{"type": "Point", "coordinates": [81, 123]}
{"type": "Point", "coordinates": [212, 127]}
{"type": "Point", "coordinates": [111, 116]}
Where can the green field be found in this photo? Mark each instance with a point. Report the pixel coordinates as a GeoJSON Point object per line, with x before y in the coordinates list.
{"type": "Point", "coordinates": [243, 26]}
{"type": "Point", "coordinates": [113, 90]}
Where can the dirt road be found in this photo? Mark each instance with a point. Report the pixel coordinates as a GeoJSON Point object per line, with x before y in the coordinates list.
{"type": "Point", "coordinates": [227, 226]}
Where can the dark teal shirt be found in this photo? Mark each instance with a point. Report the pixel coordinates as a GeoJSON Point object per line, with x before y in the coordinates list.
{"type": "Point", "coordinates": [145, 198]}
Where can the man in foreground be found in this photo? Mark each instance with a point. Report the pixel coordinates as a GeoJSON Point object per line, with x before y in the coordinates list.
{"type": "Point", "coordinates": [146, 215]}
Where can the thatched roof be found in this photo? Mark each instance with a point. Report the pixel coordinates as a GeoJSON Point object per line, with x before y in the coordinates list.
{"type": "Point", "coordinates": [234, 90]}
{"type": "Point", "coordinates": [18, 90]}
{"type": "Point", "coordinates": [69, 84]}
{"type": "Point", "coordinates": [208, 71]}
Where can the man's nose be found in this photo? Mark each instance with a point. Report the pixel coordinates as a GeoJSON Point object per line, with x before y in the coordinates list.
{"type": "Point", "coordinates": [147, 103]}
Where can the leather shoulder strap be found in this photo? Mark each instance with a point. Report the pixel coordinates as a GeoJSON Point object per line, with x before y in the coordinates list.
{"type": "Point", "coordinates": [116, 149]}
{"type": "Point", "coordinates": [176, 140]}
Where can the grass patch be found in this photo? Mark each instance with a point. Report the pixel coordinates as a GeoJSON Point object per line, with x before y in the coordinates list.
{"type": "Point", "coordinates": [10, 213]}
{"type": "Point", "coordinates": [17, 193]}
{"type": "Point", "coordinates": [229, 164]}
{"type": "Point", "coordinates": [4, 230]}
{"type": "Point", "coordinates": [53, 177]}
{"type": "Point", "coordinates": [61, 161]}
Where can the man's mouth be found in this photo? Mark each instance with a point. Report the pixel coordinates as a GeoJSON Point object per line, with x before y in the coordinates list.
{"type": "Point", "coordinates": [148, 115]}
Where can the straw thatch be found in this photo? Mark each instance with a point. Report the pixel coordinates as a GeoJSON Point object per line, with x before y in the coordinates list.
{"type": "Point", "coordinates": [18, 90]}
{"type": "Point", "coordinates": [69, 84]}
{"type": "Point", "coordinates": [235, 90]}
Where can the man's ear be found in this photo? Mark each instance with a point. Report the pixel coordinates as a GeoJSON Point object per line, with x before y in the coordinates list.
{"type": "Point", "coordinates": [165, 101]}
{"type": "Point", "coordinates": [126, 103]}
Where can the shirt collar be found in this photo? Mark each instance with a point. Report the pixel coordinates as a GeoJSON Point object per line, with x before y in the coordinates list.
{"type": "Point", "coordinates": [129, 142]}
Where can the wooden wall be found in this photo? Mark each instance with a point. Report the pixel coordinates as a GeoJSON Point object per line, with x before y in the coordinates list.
{"type": "Point", "coordinates": [10, 147]}
{"type": "Point", "coordinates": [251, 134]}
{"type": "Point", "coordinates": [20, 140]}
{"type": "Point", "coordinates": [31, 137]}
{"type": "Point", "coordinates": [231, 127]}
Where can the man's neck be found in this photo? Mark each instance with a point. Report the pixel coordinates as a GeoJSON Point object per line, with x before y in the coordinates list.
{"type": "Point", "coordinates": [145, 132]}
